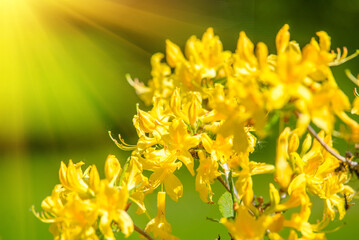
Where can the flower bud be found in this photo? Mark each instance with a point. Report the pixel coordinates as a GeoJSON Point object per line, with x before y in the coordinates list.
{"type": "Point", "coordinates": [262, 54]}
{"type": "Point", "coordinates": [147, 122]}
{"type": "Point", "coordinates": [274, 195]}
{"type": "Point", "coordinates": [173, 54]}
{"type": "Point", "coordinates": [94, 179]}
{"type": "Point", "coordinates": [74, 178]}
{"type": "Point", "coordinates": [193, 110]}
{"type": "Point", "coordinates": [283, 172]}
{"type": "Point", "coordinates": [293, 143]}
{"type": "Point", "coordinates": [62, 173]}
{"type": "Point", "coordinates": [324, 41]}
{"type": "Point", "coordinates": [245, 49]}
{"type": "Point", "coordinates": [307, 143]}
{"type": "Point", "coordinates": [112, 167]}
{"type": "Point", "coordinates": [175, 102]}
{"type": "Point", "coordinates": [282, 39]}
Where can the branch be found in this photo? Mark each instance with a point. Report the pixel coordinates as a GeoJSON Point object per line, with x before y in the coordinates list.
{"type": "Point", "coordinates": [220, 179]}
{"type": "Point", "coordinates": [143, 232]}
{"type": "Point", "coordinates": [138, 229]}
{"type": "Point", "coordinates": [351, 164]}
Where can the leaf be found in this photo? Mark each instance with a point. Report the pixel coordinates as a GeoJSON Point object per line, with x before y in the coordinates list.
{"type": "Point", "coordinates": [272, 120]}
{"type": "Point", "coordinates": [225, 204]}
{"type": "Point", "coordinates": [222, 80]}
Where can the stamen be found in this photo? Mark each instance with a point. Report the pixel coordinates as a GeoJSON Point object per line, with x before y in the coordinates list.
{"type": "Point", "coordinates": [124, 146]}
{"type": "Point", "coordinates": [340, 59]}
{"type": "Point", "coordinates": [351, 77]}
{"type": "Point", "coordinates": [41, 216]}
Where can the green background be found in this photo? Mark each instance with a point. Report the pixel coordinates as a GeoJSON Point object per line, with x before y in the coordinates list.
{"type": "Point", "coordinates": [63, 86]}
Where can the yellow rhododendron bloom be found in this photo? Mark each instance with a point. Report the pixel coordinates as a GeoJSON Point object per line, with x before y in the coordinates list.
{"type": "Point", "coordinates": [246, 226]}
{"type": "Point", "coordinates": [159, 226]}
{"type": "Point", "coordinates": [84, 203]}
{"type": "Point", "coordinates": [178, 142]}
{"type": "Point", "coordinates": [111, 203]}
{"type": "Point", "coordinates": [207, 172]}
{"type": "Point", "coordinates": [210, 110]}
{"type": "Point", "coordinates": [283, 172]}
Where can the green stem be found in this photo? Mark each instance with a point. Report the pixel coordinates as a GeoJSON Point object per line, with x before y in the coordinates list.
{"type": "Point", "coordinates": [231, 186]}
{"type": "Point", "coordinates": [125, 167]}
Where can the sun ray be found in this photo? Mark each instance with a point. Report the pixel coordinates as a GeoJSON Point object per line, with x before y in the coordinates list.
{"type": "Point", "coordinates": [56, 72]}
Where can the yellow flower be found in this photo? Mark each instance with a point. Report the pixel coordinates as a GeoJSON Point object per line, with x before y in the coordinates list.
{"type": "Point", "coordinates": [297, 193]}
{"type": "Point", "coordinates": [354, 136]}
{"type": "Point", "coordinates": [111, 203]}
{"type": "Point", "coordinates": [82, 199]}
{"type": "Point", "coordinates": [355, 109]}
{"type": "Point", "coordinates": [159, 226]}
{"type": "Point", "coordinates": [207, 172]}
{"type": "Point", "coordinates": [283, 172]}
{"type": "Point", "coordinates": [165, 175]}
{"type": "Point", "coordinates": [246, 226]}
{"type": "Point", "coordinates": [244, 183]}
{"type": "Point", "coordinates": [319, 174]}
{"type": "Point", "coordinates": [77, 219]}
{"type": "Point", "coordinates": [160, 85]}
{"type": "Point", "coordinates": [188, 107]}
{"type": "Point", "coordinates": [112, 168]}
{"type": "Point", "coordinates": [211, 105]}
{"type": "Point", "coordinates": [72, 177]}
{"type": "Point", "coordinates": [220, 149]}
{"type": "Point", "coordinates": [144, 92]}
{"type": "Point", "coordinates": [206, 55]}
{"type": "Point", "coordinates": [136, 183]}
{"type": "Point", "coordinates": [147, 123]}
{"type": "Point", "coordinates": [163, 163]}
{"type": "Point", "coordinates": [178, 142]}
{"type": "Point", "coordinates": [282, 39]}
{"type": "Point", "coordinates": [71, 216]}
{"type": "Point", "coordinates": [299, 221]}
{"type": "Point", "coordinates": [174, 54]}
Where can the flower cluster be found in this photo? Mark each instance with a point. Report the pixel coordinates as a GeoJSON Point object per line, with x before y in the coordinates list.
{"type": "Point", "coordinates": [83, 206]}
{"type": "Point", "coordinates": [209, 107]}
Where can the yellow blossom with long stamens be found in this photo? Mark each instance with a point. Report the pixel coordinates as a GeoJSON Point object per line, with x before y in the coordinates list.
{"type": "Point", "coordinates": [83, 203]}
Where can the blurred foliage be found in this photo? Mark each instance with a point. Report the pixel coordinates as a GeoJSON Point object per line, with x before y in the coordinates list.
{"type": "Point", "coordinates": [62, 87]}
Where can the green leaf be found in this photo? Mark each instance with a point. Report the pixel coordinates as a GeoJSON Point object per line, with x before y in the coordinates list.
{"type": "Point", "coordinates": [222, 80]}
{"type": "Point", "coordinates": [225, 204]}
{"type": "Point", "coordinates": [272, 120]}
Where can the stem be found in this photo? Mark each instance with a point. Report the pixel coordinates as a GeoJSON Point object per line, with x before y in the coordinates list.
{"type": "Point", "coordinates": [220, 179]}
{"type": "Point", "coordinates": [231, 187]}
{"type": "Point", "coordinates": [124, 171]}
{"type": "Point", "coordinates": [143, 232]}
{"type": "Point", "coordinates": [351, 164]}
{"type": "Point", "coordinates": [138, 229]}
{"type": "Point", "coordinates": [128, 206]}
{"type": "Point", "coordinates": [312, 132]}
{"type": "Point", "coordinates": [234, 195]}
{"type": "Point", "coordinates": [229, 180]}
{"type": "Point", "coordinates": [212, 219]}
